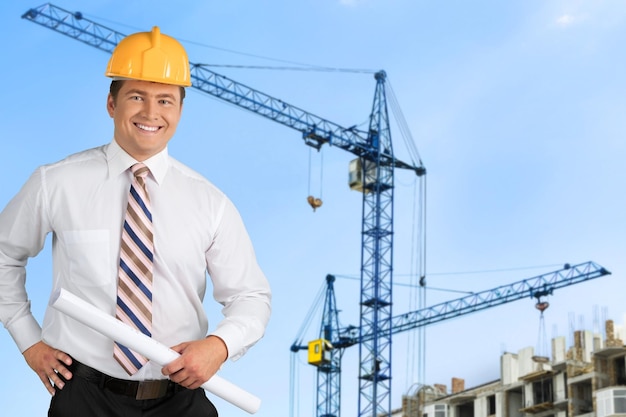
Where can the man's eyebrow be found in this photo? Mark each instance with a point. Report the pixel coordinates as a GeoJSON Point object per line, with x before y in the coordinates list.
{"type": "Point", "coordinates": [166, 95]}
{"type": "Point", "coordinates": [136, 91]}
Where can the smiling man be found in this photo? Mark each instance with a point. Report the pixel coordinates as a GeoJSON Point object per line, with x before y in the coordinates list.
{"type": "Point", "coordinates": [145, 115]}
{"type": "Point", "coordinates": [135, 233]}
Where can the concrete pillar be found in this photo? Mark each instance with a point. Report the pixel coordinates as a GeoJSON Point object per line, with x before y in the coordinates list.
{"type": "Point", "coordinates": [558, 349]}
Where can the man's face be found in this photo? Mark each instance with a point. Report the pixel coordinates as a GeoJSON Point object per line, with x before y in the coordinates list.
{"type": "Point", "coordinates": [145, 115]}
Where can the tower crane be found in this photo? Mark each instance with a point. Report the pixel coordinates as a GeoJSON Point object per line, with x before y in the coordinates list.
{"type": "Point", "coordinates": [372, 174]}
{"type": "Point", "coordinates": [327, 351]}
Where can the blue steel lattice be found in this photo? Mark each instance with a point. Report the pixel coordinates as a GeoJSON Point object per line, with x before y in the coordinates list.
{"type": "Point", "coordinates": [376, 261]}
{"type": "Point", "coordinates": [329, 374]}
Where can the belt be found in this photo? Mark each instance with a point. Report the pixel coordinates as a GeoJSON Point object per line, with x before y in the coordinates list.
{"type": "Point", "coordinates": [139, 390]}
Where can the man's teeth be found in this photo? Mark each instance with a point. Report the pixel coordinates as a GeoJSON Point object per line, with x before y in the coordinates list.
{"type": "Point", "coordinates": [148, 128]}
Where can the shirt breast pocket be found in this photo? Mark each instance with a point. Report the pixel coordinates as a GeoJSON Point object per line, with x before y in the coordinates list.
{"type": "Point", "coordinates": [88, 256]}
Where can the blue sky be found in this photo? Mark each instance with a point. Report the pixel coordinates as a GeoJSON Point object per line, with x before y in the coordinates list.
{"type": "Point", "coordinates": [517, 109]}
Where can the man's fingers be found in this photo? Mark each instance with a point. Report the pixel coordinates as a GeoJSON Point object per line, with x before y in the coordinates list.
{"type": "Point", "coordinates": [173, 367]}
{"type": "Point", "coordinates": [58, 382]}
{"type": "Point", "coordinates": [189, 383]}
{"type": "Point", "coordinates": [60, 369]}
{"type": "Point", "coordinates": [49, 364]}
{"type": "Point", "coordinates": [196, 384]}
{"type": "Point", "coordinates": [63, 357]}
{"type": "Point", "coordinates": [180, 347]}
{"type": "Point", "coordinates": [46, 382]}
{"type": "Point", "coordinates": [53, 380]}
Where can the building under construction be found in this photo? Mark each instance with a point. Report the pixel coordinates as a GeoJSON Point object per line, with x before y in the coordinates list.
{"type": "Point", "coordinates": [587, 379]}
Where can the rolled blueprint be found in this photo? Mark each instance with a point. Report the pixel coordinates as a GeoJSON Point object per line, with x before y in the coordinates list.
{"type": "Point", "coordinates": [73, 306]}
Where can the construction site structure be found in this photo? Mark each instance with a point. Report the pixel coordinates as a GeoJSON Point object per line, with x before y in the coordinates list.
{"type": "Point", "coordinates": [588, 379]}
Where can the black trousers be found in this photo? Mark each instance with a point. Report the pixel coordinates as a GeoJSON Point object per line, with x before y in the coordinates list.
{"type": "Point", "coordinates": [82, 398]}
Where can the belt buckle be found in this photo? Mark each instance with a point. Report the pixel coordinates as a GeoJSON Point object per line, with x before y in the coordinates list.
{"type": "Point", "coordinates": [150, 390]}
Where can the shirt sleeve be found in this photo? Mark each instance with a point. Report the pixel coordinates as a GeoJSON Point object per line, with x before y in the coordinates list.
{"type": "Point", "coordinates": [23, 229]}
{"type": "Point", "coordinates": [238, 284]}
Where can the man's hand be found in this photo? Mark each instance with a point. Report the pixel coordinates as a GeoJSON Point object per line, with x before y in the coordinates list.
{"type": "Point", "coordinates": [199, 361]}
{"type": "Point", "coordinates": [47, 362]}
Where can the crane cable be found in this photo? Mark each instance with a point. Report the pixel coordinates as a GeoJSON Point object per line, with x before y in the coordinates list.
{"type": "Point", "coordinates": [294, 387]}
{"type": "Point", "coordinates": [312, 68]}
{"type": "Point", "coordinates": [315, 202]}
{"type": "Point", "coordinates": [418, 242]}
{"type": "Point", "coordinates": [300, 67]}
{"type": "Point", "coordinates": [405, 132]}
{"type": "Point", "coordinates": [417, 300]}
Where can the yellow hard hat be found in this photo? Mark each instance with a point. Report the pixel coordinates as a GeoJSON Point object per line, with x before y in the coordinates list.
{"type": "Point", "coordinates": [150, 56]}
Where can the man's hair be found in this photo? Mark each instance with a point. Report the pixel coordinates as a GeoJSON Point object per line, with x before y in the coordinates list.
{"type": "Point", "coordinates": [116, 85]}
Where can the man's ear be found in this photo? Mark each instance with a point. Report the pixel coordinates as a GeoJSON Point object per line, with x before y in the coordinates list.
{"type": "Point", "coordinates": [110, 105]}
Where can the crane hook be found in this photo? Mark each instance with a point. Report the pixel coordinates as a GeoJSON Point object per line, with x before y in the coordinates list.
{"type": "Point", "coordinates": [314, 202]}
{"type": "Point", "coordinates": [542, 306]}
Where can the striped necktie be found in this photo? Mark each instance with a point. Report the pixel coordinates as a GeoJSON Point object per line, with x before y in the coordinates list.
{"type": "Point", "coordinates": [134, 293]}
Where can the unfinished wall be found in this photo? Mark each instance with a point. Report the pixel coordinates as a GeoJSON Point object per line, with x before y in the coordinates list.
{"type": "Point", "coordinates": [559, 349]}
{"type": "Point", "coordinates": [509, 369]}
{"type": "Point", "coordinates": [613, 338]}
{"type": "Point", "coordinates": [513, 404]}
{"type": "Point", "coordinates": [560, 388]}
{"type": "Point", "coordinates": [525, 361]}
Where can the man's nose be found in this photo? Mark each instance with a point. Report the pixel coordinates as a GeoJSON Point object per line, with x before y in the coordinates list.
{"type": "Point", "coordinates": [150, 110]}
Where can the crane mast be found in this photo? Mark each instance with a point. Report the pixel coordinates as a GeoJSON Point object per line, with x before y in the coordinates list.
{"type": "Point", "coordinates": [374, 152]}
{"type": "Point", "coordinates": [376, 267]}
{"type": "Point", "coordinates": [328, 401]}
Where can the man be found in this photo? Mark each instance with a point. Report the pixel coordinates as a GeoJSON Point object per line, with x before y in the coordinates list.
{"type": "Point", "coordinates": [141, 256]}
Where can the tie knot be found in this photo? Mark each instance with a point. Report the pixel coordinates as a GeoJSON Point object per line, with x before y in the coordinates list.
{"type": "Point", "coordinates": [139, 170]}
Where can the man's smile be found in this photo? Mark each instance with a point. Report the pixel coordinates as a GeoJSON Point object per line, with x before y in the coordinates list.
{"type": "Point", "coordinates": [147, 128]}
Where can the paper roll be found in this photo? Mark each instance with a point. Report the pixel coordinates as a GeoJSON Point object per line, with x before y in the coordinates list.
{"type": "Point", "coordinates": [80, 310]}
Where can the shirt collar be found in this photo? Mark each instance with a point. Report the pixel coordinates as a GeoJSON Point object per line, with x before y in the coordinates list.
{"type": "Point", "coordinates": [119, 161]}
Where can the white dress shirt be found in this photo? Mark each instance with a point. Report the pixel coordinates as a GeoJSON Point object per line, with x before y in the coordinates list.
{"type": "Point", "coordinates": [81, 200]}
